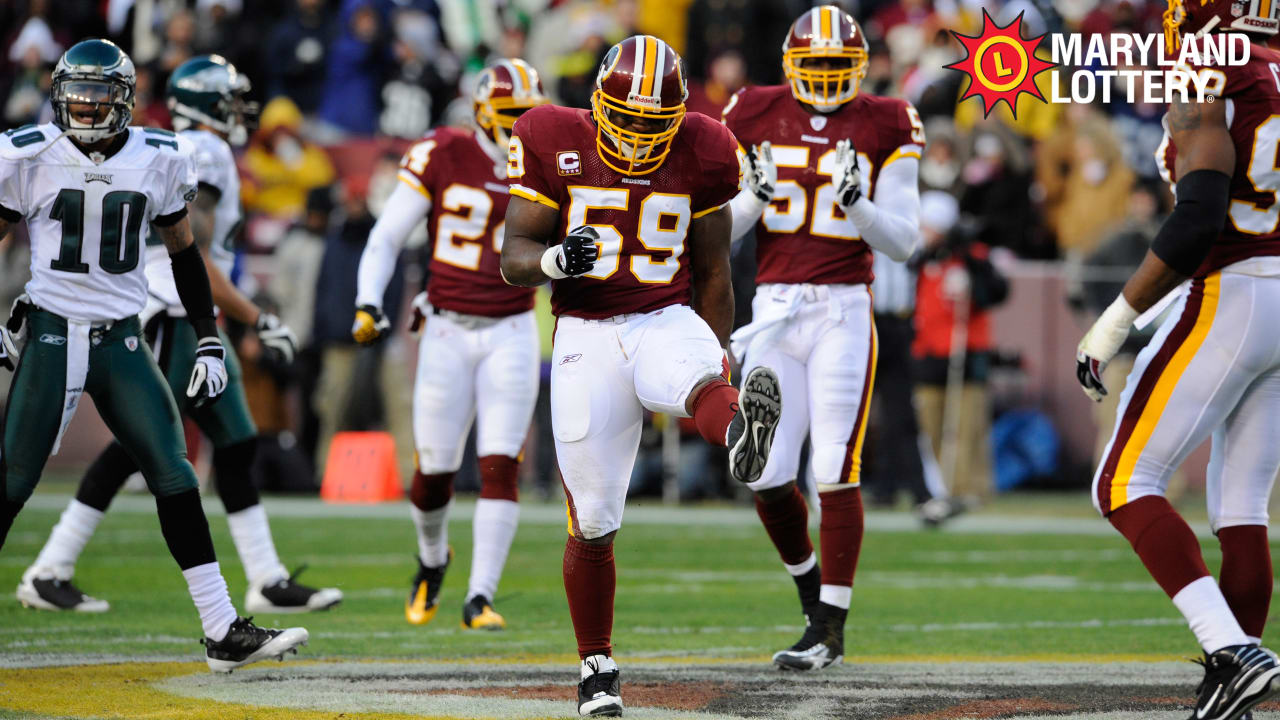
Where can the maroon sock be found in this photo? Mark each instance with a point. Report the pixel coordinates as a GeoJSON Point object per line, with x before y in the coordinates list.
{"type": "Point", "coordinates": [786, 519]}
{"type": "Point", "coordinates": [589, 582]}
{"type": "Point", "coordinates": [1246, 575]}
{"type": "Point", "coordinates": [431, 492]}
{"type": "Point", "coordinates": [840, 534]}
{"type": "Point", "coordinates": [498, 478]}
{"type": "Point", "coordinates": [714, 407]}
{"type": "Point", "coordinates": [1163, 540]}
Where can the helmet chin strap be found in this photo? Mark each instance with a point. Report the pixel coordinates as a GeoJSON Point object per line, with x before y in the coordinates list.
{"type": "Point", "coordinates": [191, 115]}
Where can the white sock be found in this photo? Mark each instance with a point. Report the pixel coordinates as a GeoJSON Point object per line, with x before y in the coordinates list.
{"type": "Point", "coordinates": [1255, 640]}
{"type": "Point", "coordinates": [837, 595]}
{"type": "Point", "coordinates": [803, 567]}
{"type": "Point", "coordinates": [68, 538]}
{"type": "Point", "coordinates": [1209, 616]}
{"type": "Point", "coordinates": [493, 529]}
{"type": "Point", "coordinates": [209, 592]}
{"type": "Point", "coordinates": [433, 534]}
{"type": "Point", "coordinates": [257, 551]}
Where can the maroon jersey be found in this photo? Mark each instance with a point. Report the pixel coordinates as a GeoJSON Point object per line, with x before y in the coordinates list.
{"type": "Point", "coordinates": [1253, 90]}
{"type": "Point", "coordinates": [467, 188]}
{"type": "Point", "coordinates": [803, 235]}
{"type": "Point", "coordinates": [643, 221]}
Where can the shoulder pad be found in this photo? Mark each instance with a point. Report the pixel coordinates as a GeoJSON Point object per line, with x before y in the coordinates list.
{"type": "Point", "coordinates": [27, 140]}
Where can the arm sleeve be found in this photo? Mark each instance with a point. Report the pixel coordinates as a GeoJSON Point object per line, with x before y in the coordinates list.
{"type": "Point", "coordinates": [890, 222]}
{"type": "Point", "coordinates": [1187, 234]}
{"type": "Point", "coordinates": [192, 281]}
{"type": "Point", "coordinates": [406, 207]}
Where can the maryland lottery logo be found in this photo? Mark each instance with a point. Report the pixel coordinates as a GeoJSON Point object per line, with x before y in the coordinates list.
{"type": "Point", "coordinates": [1001, 65]}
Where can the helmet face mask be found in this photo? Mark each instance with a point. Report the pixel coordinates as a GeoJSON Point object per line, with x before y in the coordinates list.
{"type": "Point", "coordinates": [92, 91]}
{"type": "Point", "coordinates": [638, 105]}
{"type": "Point", "coordinates": [825, 58]}
{"type": "Point", "coordinates": [505, 91]}
{"type": "Point", "coordinates": [207, 90]}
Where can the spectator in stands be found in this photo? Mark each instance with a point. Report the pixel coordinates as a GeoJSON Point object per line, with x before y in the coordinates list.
{"type": "Point", "coordinates": [359, 60]}
{"type": "Point", "coordinates": [1095, 188]}
{"type": "Point", "coordinates": [33, 53]}
{"type": "Point", "coordinates": [940, 165]}
{"type": "Point", "coordinates": [996, 194]}
{"type": "Point", "coordinates": [179, 40]}
{"type": "Point", "coordinates": [297, 51]}
{"type": "Point", "coordinates": [728, 73]}
{"type": "Point", "coordinates": [281, 166]}
{"type": "Point", "coordinates": [957, 287]}
{"type": "Point", "coordinates": [149, 108]}
{"type": "Point", "coordinates": [425, 80]}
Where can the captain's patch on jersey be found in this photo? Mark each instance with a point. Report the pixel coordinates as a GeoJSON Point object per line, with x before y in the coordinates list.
{"type": "Point", "coordinates": [568, 162]}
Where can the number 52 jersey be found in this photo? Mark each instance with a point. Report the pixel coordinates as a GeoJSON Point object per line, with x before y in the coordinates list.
{"type": "Point", "coordinates": [88, 220]}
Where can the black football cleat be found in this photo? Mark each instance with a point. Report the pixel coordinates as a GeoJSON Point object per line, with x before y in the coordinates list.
{"type": "Point", "coordinates": [1236, 679]}
{"type": "Point", "coordinates": [478, 614]}
{"type": "Point", "coordinates": [57, 594]}
{"type": "Point", "coordinates": [424, 597]}
{"type": "Point", "coordinates": [247, 643]}
{"type": "Point", "coordinates": [750, 433]}
{"type": "Point", "coordinates": [290, 596]}
{"type": "Point", "coordinates": [822, 644]}
{"type": "Point", "coordinates": [599, 693]}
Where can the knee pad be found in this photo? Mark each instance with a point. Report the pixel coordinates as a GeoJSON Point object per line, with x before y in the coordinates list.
{"type": "Point", "coordinates": [499, 478]}
{"type": "Point", "coordinates": [231, 466]}
{"type": "Point", "coordinates": [431, 492]}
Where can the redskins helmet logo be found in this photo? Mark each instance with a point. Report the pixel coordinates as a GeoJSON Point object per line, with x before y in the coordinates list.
{"type": "Point", "coordinates": [484, 86]}
{"type": "Point", "coordinates": [607, 65]}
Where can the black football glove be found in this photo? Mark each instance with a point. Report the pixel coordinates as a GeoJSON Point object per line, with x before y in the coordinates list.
{"type": "Point", "coordinates": [579, 251]}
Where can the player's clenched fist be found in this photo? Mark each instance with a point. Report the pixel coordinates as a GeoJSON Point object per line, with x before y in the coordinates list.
{"type": "Point", "coordinates": [369, 325]}
{"type": "Point", "coordinates": [573, 257]}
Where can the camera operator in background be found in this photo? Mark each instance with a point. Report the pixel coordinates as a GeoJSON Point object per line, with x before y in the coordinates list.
{"type": "Point", "coordinates": [956, 288]}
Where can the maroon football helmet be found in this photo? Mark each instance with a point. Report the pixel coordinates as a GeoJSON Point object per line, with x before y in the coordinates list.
{"type": "Point", "coordinates": [830, 36]}
{"type": "Point", "coordinates": [1202, 16]}
{"type": "Point", "coordinates": [638, 104]}
{"type": "Point", "coordinates": [503, 91]}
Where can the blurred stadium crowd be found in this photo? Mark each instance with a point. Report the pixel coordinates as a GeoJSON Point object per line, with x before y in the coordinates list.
{"type": "Point", "coordinates": [346, 84]}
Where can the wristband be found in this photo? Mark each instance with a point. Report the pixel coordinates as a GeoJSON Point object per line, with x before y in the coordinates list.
{"type": "Point", "coordinates": [551, 265]}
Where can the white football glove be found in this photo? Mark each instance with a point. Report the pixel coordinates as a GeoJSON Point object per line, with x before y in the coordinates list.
{"type": "Point", "coordinates": [209, 376]}
{"type": "Point", "coordinates": [761, 174]}
{"type": "Point", "coordinates": [8, 350]}
{"type": "Point", "coordinates": [18, 314]}
{"type": "Point", "coordinates": [848, 175]}
{"type": "Point", "coordinates": [420, 310]}
{"type": "Point", "coordinates": [277, 337]}
{"type": "Point", "coordinates": [1100, 344]}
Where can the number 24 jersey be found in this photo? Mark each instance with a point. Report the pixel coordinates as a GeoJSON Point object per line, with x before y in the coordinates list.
{"type": "Point", "coordinates": [88, 221]}
{"type": "Point", "coordinates": [643, 221]}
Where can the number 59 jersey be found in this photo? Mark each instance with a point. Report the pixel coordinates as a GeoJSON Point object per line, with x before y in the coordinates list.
{"type": "Point", "coordinates": [1252, 94]}
{"type": "Point", "coordinates": [643, 221]}
{"type": "Point", "coordinates": [87, 221]}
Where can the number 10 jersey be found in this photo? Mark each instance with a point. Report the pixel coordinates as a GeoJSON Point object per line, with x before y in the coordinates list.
{"type": "Point", "coordinates": [88, 220]}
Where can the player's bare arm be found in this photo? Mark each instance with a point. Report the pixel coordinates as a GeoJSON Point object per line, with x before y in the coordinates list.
{"type": "Point", "coordinates": [225, 295]}
{"type": "Point", "coordinates": [176, 237]}
{"type": "Point", "coordinates": [709, 263]}
{"type": "Point", "coordinates": [530, 226]}
{"type": "Point", "coordinates": [1206, 161]}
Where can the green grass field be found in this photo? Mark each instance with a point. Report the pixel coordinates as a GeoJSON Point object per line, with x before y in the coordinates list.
{"type": "Point", "coordinates": [1030, 580]}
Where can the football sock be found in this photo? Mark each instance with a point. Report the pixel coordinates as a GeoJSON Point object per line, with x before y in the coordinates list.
{"type": "Point", "coordinates": [714, 409]}
{"type": "Point", "coordinates": [786, 519]}
{"type": "Point", "coordinates": [590, 579]}
{"type": "Point", "coordinates": [257, 550]}
{"type": "Point", "coordinates": [8, 511]}
{"type": "Point", "coordinates": [494, 526]}
{"type": "Point", "coordinates": [68, 538]}
{"type": "Point", "coordinates": [431, 497]}
{"type": "Point", "coordinates": [1246, 576]}
{"type": "Point", "coordinates": [232, 465]}
{"type": "Point", "coordinates": [209, 592]}
{"type": "Point", "coordinates": [105, 476]}
{"type": "Point", "coordinates": [1163, 540]}
{"type": "Point", "coordinates": [185, 528]}
{"type": "Point", "coordinates": [1209, 616]}
{"type": "Point", "coordinates": [840, 535]}
{"type": "Point", "coordinates": [808, 585]}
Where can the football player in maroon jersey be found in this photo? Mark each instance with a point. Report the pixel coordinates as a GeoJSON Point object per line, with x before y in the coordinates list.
{"type": "Point", "coordinates": [478, 355]}
{"type": "Point", "coordinates": [632, 197]}
{"type": "Point", "coordinates": [1212, 370]}
{"type": "Point", "coordinates": [830, 175]}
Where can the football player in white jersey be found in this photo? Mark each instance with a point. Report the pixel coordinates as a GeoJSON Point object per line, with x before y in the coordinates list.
{"type": "Point", "coordinates": [87, 184]}
{"type": "Point", "coordinates": [206, 100]}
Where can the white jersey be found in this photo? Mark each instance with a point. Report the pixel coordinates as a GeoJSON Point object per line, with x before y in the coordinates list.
{"type": "Point", "coordinates": [88, 220]}
{"type": "Point", "coordinates": [215, 167]}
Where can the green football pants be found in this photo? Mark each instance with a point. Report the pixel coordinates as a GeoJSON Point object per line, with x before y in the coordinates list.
{"type": "Point", "coordinates": [127, 388]}
{"type": "Point", "coordinates": [225, 422]}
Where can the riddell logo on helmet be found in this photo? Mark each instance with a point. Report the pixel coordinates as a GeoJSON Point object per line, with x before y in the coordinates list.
{"type": "Point", "coordinates": [1001, 65]}
{"type": "Point", "coordinates": [645, 101]}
